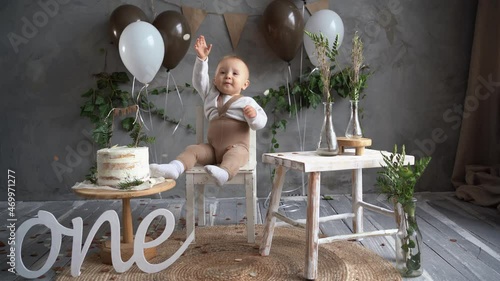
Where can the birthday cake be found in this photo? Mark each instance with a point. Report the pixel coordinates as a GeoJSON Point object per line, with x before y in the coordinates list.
{"type": "Point", "coordinates": [118, 166]}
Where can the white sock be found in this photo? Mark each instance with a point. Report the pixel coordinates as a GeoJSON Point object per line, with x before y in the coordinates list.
{"type": "Point", "coordinates": [171, 170]}
{"type": "Point", "coordinates": [220, 175]}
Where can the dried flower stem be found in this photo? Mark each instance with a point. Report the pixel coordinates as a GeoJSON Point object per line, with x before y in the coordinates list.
{"type": "Point", "coordinates": [357, 62]}
{"type": "Point", "coordinates": [325, 56]}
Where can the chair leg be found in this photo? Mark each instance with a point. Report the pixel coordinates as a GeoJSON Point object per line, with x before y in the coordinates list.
{"type": "Point", "coordinates": [251, 206]}
{"type": "Point", "coordinates": [190, 205]}
{"type": "Point", "coordinates": [200, 200]}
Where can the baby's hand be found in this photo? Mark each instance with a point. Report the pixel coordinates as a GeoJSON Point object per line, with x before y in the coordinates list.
{"type": "Point", "coordinates": [249, 111]}
{"type": "Point", "coordinates": [202, 50]}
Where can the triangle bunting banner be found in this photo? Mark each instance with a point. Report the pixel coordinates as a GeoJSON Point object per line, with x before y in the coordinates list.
{"type": "Point", "coordinates": [194, 16]}
{"type": "Point", "coordinates": [235, 24]}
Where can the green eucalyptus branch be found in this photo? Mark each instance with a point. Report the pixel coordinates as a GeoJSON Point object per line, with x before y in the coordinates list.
{"type": "Point", "coordinates": [305, 93]}
{"type": "Point", "coordinates": [398, 180]}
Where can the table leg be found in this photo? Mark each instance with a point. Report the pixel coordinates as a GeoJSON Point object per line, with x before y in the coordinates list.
{"type": "Point", "coordinates": [312, 226]}
{"type": "Point", "coordinates": [127, 243]}
{"type": "Point", "coordinates": [267, 237]}
{"type": "Point", "coordinates": [128, 234]}
{"type": "Point", "coordinates": [357, 196]}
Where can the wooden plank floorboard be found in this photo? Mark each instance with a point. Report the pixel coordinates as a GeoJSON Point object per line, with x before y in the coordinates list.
{"type": "Point", "coordinates": [344, 205]}
{"type": "Point", "coordinates": [474, 256]}
{"type": "Point", "coordinates": [37, 241]}
{"type": "Point", "coordinates": [336, 227]}
{"type": "Point", "coordinates": [435, 267]}
{"type": "Point", "coordinates": [23, 210]}
{"type": "Point", "coordinates": [463, 235]}
{"type": "Point", "coordinates": [90, 211]}
{"type": "Point", "coordinates": [487, 232]}
{"type": "Point", "coordinates": [437, 237]}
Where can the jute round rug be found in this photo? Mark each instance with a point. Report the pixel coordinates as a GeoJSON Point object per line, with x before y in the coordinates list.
{"type": "Point", "coordinates": [222, 253]}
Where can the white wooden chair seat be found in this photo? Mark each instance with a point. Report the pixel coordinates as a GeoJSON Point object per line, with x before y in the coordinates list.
{"type": "Point", "coordinates": [197, 178]}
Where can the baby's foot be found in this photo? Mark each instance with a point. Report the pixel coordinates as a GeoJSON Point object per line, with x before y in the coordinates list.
{"type": "Point", "coordinates": [171, 170]}
{"type": "Point", "coordinates": [220, 175]}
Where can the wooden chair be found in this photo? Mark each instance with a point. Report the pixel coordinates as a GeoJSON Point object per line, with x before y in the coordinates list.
{"type": "Point", "coordinates": [197, 178]}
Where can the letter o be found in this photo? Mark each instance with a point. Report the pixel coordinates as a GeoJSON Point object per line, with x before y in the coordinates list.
{"type": "Point", "coordinates": [471, 106]}
{"type": "Point", "coordinates": [372, 29]}
{"type": "Point", "coordinates": [84, 148]}
{"type": "Point", "coordinates": [56, 230]}
{"type": "Point", "coordinates": [40, 15]}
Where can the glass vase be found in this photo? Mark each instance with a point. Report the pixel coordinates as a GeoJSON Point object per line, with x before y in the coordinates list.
{"type": "Point", "coordinates": [353, 130]}
{"type": "Point", "coordinates": [408, 241]}
{"type": "Point", "coordinates": [327, 145]}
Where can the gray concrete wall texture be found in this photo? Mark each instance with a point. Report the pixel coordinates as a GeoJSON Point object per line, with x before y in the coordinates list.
{"type": "Point", "coordinates": [419, 52]}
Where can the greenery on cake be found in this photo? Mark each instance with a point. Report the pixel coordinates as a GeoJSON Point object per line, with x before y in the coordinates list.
{"type": "Point", "coordinates": [129, 184]}
{"type": "Point", "coordinates": [92, 175]}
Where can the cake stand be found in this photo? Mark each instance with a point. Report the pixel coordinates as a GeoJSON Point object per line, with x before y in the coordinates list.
{"type": "Point", "coordinates": [127, 243]}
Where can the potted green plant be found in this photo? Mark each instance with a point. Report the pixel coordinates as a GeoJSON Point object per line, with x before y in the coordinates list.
{"type": "Point", "coordinates": [397, 180]}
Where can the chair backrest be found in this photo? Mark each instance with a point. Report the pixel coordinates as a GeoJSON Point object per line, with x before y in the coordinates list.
{"type": "Point", "coordinates": [200, 137]}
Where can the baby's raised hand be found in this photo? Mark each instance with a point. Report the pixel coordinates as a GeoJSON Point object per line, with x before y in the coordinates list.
{"type": "Point", "coordinates": [249, 111]}
{"type": "Point", "coordinates": [202, 50]}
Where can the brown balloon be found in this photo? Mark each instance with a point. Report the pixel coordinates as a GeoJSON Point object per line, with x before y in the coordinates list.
{"type": "Point", "coordinates": [121, 17]}
{"type": "Point", "coordinates": [283, 26]}
{"type": "Point", "coordinates": [176, 34]}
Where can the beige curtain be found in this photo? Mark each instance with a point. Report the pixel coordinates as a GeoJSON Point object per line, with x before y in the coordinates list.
{"type": "Point", "coordinates": [476, 173]}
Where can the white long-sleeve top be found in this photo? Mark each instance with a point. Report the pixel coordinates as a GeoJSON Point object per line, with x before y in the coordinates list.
{"type": "Point", "coordinates": [209, 94]}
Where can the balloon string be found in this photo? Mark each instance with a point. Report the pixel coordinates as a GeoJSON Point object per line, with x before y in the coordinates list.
{"type": "Point", "coordinates": [182, 106]}
{"type": "Point", "coordinates": [302, 49]}
{"type": "Point", "coordinates": [301, 146]}
{"type": "Point", "coordinates": [166, 97]}
{"type": "Point", "coordinates": [288, 92]}
{"type": "Point", "coordinates": [133, 87]}
{"type": "Point", "coordinates": [303, 113]}
{"type": "Point", "coordinates": [138, 100]}
{"type": "Point", "coordinates": [149, 110]}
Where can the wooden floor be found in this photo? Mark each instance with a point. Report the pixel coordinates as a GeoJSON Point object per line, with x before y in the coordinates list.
{"type": "Point", "coordinates": [462, 240]}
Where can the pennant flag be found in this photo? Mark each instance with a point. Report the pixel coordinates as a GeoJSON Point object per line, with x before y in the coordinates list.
{"type": "Point", "coordinates": [194, 16]}
{"type": "Point", "coordinates": [316, 6]}
{"type": "Point", "coordinates": [235, 24]}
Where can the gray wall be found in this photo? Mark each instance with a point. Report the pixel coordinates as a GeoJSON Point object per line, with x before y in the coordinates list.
{"type": "Point", "coordinates": [419, 52]}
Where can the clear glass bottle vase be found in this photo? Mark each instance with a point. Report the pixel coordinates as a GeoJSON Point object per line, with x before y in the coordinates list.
{"type": "Point", "coordinates": [327, 145]}
{"type": "Point", "coordinates": [408, 241]}
{"type": "Point", "coordinates": [353, 130]}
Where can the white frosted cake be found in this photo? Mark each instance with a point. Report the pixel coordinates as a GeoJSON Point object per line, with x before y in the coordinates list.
{"type": "Point", "coordinates": [122, 164]}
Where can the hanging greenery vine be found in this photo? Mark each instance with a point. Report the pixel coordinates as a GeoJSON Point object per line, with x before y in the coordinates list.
{"type": "Point", "coordinates": [107, 101]}
{"type": "Point", "coordinates": [305, 93]}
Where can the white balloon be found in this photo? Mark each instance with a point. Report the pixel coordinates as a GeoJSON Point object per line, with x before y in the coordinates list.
{"type": "Point", "coordinates": [141, 50]}
{"type": "Point", "coordinates": [329, 24]}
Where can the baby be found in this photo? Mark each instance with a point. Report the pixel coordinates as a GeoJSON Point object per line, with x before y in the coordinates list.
{"type": "Point", "coordinates": [230, 115]}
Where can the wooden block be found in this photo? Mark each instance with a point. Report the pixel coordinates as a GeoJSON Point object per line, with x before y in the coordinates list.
{"type": "Point", "coordinates": [358, 144]}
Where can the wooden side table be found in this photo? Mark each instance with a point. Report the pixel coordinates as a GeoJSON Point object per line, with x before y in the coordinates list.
{"type": "Point", "coordinates": [127, 243]}
{"type": "Point", "coordinates": [313, 164]}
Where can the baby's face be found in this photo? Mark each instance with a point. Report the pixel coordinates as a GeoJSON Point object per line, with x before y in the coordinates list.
{"type": "Point", "coordinates": [231, 76]}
